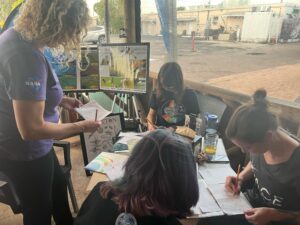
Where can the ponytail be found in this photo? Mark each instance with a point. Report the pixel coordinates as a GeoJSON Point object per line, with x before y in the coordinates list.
{"type": "Point", "coordinates": [250, 122]}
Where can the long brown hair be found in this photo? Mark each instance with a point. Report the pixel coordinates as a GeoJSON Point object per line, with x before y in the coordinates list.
{"type": "Point", "coordinates": [250, 122]}
{"type": "Point", "coordinates": [170, 74]}
{"type": "Point", "coordinates": [160, 178]}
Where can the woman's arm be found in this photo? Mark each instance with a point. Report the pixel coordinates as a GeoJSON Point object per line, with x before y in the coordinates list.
{"type": "Point", "coordinates": [233, 185]}
{"type": "Point", "coordinates": [265, 215]}
{"type": "Point", "coordinates": [151, 119]}
{"type": "Point", "coordinates": [31, 124]}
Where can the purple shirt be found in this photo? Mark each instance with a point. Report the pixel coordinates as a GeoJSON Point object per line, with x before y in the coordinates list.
{"type": "Point", "coordinates": [25, 74]}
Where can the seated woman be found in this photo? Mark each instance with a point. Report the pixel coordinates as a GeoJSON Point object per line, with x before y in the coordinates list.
{"type": "Point", "coordinates": [171, 101]}
{"type": "Point", "coordinates": [159, 184]}
{"type": "Point", "coordinates": [274, 163]}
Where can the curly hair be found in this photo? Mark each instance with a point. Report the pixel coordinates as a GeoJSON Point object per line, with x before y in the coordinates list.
{"type": "Point", "coordinates": [53, 23]}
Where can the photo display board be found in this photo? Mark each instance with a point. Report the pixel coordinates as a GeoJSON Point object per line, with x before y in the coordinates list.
{"type": "Point", "coordinates": [124, 67]}
{"type": "Point", "coordinates": [66, 72]}
{"type": "Point", "coordinates": [89, 69]}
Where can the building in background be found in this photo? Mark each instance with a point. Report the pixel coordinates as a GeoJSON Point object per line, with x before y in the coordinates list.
{"type": "Point", "coordinates": [228, 23]}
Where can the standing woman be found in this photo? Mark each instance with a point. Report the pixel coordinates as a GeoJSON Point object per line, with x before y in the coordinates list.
{"type": "Point", "coordinates": [29, 97]}
{"type": "Point", "coordinates": [274, 163]}
{"type": "Point", "coordinates": [171, 101]}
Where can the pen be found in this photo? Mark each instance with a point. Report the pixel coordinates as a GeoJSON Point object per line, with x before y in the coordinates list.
{"type": "Point", "coordinates": [96, 114]}
{"type": "Point", "coordinates": [91, 134]}
{"type": "Point", "coordinates": [237, 177]}
{"type": "Point", "coordinates": [152, 124]}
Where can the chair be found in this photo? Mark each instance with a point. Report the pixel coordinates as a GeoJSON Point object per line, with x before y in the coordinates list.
{"type": "Point", "coordinates": [8, 194]}
{"type": "Point", "coordinates": [66, 168]}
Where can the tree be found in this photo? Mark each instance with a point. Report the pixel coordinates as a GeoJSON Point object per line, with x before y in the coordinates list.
{"type": "Point", "coordinates": [6, 6]}
{"type": "Point", "coordinates": [181, 8]}
{"type": "Point", "coordinates": [116, 13]}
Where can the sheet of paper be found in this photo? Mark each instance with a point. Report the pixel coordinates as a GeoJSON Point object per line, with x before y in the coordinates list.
{"type": "Point", "coordinates": [229, 203]}
{"type": "Point", "coordinates": [214, 173]}
{"type": "Point", "coordinates": [131, 134]}
{"type": "Point", "coordinates": [115, 170]}
{"type": "Point", "coordinates": [88, 111]}
{"type": "Point", "coordinates": [206, 203]}
{"type": "Point", "coordinates": [104, 160]}
{"type": "Point", "coordinates": [127, 139]}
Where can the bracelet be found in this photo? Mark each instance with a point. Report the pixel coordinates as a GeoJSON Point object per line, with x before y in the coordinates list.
{"type": "Point", "coordinates": [81, 128]}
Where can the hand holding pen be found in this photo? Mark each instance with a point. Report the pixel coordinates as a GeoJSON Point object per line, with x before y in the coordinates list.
{"type": "Point", "coordinates": [233, 183]}
{"type": "Point", "coordinates": [96, 116]}
{"type": "Point", "coordinates": [151, 126]}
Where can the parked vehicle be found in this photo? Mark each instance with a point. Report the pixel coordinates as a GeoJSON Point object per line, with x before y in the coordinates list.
{"type": "Point", "coordinates": [95, 35]}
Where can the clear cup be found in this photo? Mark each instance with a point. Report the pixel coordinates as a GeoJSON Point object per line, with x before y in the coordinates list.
{"type": "Point", "coordinates": [210, 143]}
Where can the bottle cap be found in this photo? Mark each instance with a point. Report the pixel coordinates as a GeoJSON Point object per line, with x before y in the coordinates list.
{"type": "Point", "coordinates": [211, 131]}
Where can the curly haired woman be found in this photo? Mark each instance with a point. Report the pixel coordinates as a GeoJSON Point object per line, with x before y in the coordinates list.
{"type": "Point", "coordinates": [29, 96]}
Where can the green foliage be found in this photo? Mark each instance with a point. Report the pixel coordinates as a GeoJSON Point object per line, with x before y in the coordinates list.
{"type": "Point", "coordinates": [116, 13]}
{"type": "Point", "coordinates": [6, 6]}
{"type": "Point", "coordinates": [181, 8]}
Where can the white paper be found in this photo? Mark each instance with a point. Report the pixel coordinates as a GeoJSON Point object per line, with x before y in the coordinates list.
{"type": "Point", "coordinates": [230, 204]}
{"type": "Point", "coordinates": [132, 134]}
{"type": "Point", "coordinates": [88, 111]}
{"type": "Point", "coordinates": [206, 202]}
{"type": "Point", "coordinates": [126, 139]}
{"type": "Point", "coordinates": [214, 173]}
{"type": "Point", "coordinates": [115, 170]}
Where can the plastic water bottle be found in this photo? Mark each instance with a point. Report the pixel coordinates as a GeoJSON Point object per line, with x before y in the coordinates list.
{"type": "Point", "coordinates": [211, 123]}
{"type": "Point", "coordinates": [211, 136]}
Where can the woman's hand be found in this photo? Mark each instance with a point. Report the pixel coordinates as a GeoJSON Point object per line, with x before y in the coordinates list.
{"type": "Point", "coordinates": [233, 185]}
{"type": "Point", "coordinates": [88, 125]}
{"type": "Point", "coordinates": [259, 216]}
{"type": "Point", "coordinates": [150, 127]}
{"type": "Point", "coordinates": [70, 103]}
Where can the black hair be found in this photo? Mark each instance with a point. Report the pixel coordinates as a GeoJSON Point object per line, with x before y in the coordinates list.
{"type": "Point", "coordinates": [160, 177]}
{"type": "Point", "coordinates": [170, 74]}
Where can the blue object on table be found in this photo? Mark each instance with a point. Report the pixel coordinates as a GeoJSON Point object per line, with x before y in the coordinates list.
{"type": "Point", "coordinates": [119, 147]}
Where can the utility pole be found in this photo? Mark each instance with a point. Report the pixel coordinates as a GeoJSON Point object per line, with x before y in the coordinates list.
{"type": "Point", "coordinates": [207, 26]}
{"type": "Point", "coordinates": [107, 21]}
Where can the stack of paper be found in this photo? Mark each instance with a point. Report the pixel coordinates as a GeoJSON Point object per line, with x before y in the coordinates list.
{"type": "Point", "coordinates": [206, 205]}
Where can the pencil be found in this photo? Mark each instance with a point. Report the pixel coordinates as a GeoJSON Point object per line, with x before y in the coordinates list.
{"type": "Point", "coordinates": [96, 114]}
{"type": "Point", "coordinates": [151, 123]}
{"type": "Point", "coordinates": [237, 177]}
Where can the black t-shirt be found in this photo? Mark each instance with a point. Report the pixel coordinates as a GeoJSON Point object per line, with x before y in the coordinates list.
{"type": "Point", "coordinates": [278, 185]}
{"type": "Point", "coordinates": [169, 113]}
{"type": "Point", "coordinates": [95, 210]}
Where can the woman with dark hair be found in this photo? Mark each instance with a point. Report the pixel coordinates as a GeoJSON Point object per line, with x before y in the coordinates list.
{"type": "Point", "coordinates": [159, 184]}
{"type": "Point", "coordinates": [274, 163]}
{"type": "Point", "coordinates": [30, 94]}
{"type": "Point", "coordinates": [171, 101]}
